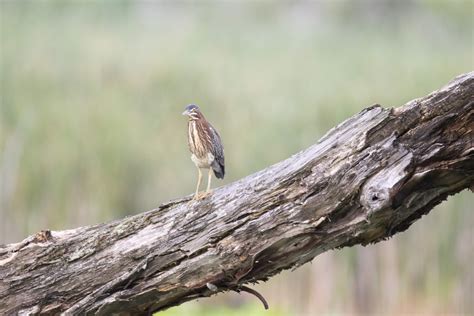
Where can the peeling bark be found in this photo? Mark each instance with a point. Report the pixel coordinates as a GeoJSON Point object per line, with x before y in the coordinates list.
{"type": "Point", "coordinates": [367, 179]}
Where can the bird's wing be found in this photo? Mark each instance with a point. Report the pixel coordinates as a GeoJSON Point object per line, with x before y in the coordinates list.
{"type": "Point", "coordinates": [217, 148]}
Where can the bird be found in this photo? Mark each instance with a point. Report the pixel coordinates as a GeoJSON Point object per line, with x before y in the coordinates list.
{"type": "Point", "coordinates": [205, 145]}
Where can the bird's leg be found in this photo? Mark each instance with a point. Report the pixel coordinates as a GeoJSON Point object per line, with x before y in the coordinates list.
{"type": "Point", "coordinates": [209, 177]}
{"type": "Point", "coordinates": [202, 195]}
{"type": "Point", "coordinates": [196, 195]}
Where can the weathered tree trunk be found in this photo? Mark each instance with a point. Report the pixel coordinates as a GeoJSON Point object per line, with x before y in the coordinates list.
{"type": "Point", "coordinates": [367, 179]}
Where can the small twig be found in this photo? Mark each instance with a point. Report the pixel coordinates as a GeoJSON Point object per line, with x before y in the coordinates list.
{"type": "Point", "coordinates": [238, 289]}
{"type": "Point", "coordinates": [244, 288]}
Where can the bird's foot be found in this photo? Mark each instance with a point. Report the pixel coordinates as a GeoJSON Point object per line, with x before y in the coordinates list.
{"type": "Point", "coordinates": [198, 196]}
{"type": "Point", "coordinates": [201, 195]}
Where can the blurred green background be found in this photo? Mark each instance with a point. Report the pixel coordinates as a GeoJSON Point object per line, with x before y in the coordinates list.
{"type": "Point", "coordinates": [91, 127]}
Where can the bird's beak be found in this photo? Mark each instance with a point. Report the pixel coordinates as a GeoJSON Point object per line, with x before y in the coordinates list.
{"type": "Point", "coordinates": [185, 112]}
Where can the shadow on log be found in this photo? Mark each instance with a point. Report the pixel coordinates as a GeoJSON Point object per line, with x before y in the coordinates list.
{"type": "Point", "coordinates": [367, 179]}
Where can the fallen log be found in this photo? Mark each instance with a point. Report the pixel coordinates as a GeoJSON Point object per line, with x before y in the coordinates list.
{"type": "Point", "coordinates": [368, 178]}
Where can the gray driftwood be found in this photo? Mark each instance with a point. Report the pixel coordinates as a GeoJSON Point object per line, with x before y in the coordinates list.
{"type": "Point", "coordinates": [367, 179]}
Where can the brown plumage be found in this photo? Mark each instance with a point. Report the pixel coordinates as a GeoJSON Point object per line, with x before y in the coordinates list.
{"type": "Point", "coordinates": [205, 145]}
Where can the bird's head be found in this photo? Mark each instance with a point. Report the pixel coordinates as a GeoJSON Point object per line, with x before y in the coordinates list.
{"type": "Point", "coordinates": [192, 111]}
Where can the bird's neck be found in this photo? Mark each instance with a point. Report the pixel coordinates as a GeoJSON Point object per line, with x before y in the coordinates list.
{"type": "Point", "coordinates": [195, 117]}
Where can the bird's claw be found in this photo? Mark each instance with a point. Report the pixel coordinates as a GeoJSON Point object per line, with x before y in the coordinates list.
{"type": "Point", "coordinates": [201, 195]}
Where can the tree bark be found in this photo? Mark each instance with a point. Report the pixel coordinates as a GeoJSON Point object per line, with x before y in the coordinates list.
{"type": "Point", "coordinates": [368, 178]}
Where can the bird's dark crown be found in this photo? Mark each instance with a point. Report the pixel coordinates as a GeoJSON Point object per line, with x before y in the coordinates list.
{"type": "Point", "coordinates": [192, 107]}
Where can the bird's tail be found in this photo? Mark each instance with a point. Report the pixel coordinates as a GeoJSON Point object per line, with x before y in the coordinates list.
{"type": "Point", "coordinates": [219, 170]}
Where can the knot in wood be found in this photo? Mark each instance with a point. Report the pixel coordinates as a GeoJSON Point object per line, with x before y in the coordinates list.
{"type": "Point", "coordinates": [377, 193]}
{"type": "Point", "coordinates": [375, 199]}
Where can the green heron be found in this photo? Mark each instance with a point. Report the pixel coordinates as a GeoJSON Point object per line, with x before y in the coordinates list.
{"type": "Point", "coordinates": [206, 147]}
